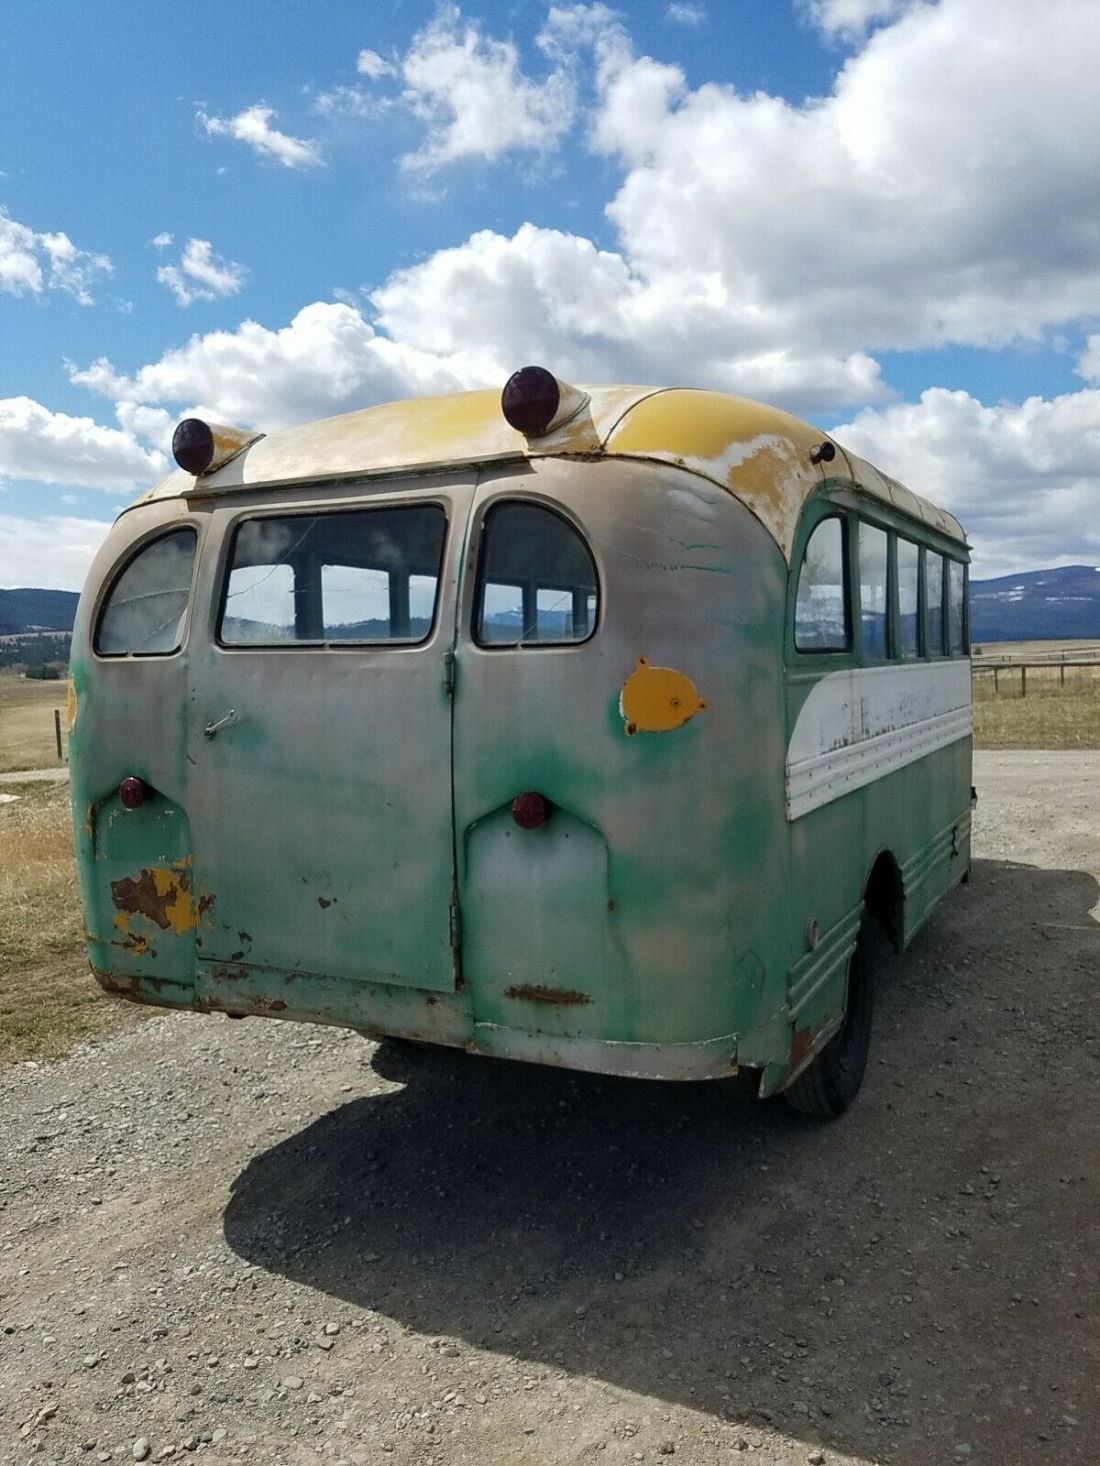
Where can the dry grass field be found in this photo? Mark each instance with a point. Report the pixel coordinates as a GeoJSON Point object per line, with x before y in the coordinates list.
{"type": "Point", "coordinates": [1054, 714]}
{"type": "Point", "coordinates": [48, 999]}
{"type": "Point", "coordinates": [26, 723]}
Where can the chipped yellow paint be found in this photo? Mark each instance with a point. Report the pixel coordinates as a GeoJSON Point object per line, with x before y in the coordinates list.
{"type": "Point", "coordinates": [162, 895]}
{"type": "Point", "coordinates": [757, 453]}
{"type": "Point", "coordinates": [70, 707]}
{"type": "Point", "coordinates": [658, 699]}
{"type": "Point", "coordinates": [761, 455]}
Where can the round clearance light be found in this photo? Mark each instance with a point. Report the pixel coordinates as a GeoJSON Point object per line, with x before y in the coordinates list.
{"type": "Point", "coordinates": [530, 810]}
{"type": "Point", "coordinates": [193, 445]}
{"type": "Point", "coordinates": [530, 400]}
{"type": "Point", "coordinates": [133, 792]}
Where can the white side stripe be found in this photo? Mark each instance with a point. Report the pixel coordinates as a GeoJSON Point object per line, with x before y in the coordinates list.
{"type": "Point", "coordinates": [856, 726]}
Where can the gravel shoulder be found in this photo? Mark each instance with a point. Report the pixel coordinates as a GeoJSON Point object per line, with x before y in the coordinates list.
{"type": "Point", "coordinates": [266, 1241]}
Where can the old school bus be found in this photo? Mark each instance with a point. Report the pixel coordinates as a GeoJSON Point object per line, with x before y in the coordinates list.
{"type": "Point", "coordinates": [585, 727]}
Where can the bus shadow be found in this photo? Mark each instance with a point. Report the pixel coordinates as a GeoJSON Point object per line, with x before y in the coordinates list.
{"type": "Point", "coordinates": [900, 1283]}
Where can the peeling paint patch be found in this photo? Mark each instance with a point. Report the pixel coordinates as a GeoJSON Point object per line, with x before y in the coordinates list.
{"type": "Point", "coordinates": [657, 699]}
{"type": "Point", "coordinates": [556, 997]}
{"type": "Point", "coordinates": [162, 896]}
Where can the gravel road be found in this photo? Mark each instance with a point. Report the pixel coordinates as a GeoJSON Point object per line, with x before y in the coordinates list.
{"type": "Point", "coordinates": [286, 1244]}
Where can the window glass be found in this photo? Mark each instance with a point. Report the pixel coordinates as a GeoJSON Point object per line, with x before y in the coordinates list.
{"type": "Point", "coordinates": [873, 544]}
{"type": "Point", "coordinates": [933, 602]}
{"type": "Point", "coordinates": [821, 618]}
{"type": "Point", "coordinates": [368, 575]}
{"type": "Point", "coordinates": [956, 626]}
{"type": "Point", "coordinates": [537, 580]}
{"type": "Point", "coordinates": [908, 582]}
{"type": "Point", "coordinates": [144, 610]}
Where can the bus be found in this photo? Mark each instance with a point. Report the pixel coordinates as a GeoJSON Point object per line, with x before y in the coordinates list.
{"type": "Point", "coordinates": [596, 727]}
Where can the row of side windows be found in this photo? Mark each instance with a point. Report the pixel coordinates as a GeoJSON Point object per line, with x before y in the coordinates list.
{"type": "Point", "coordinates": [912, 600]}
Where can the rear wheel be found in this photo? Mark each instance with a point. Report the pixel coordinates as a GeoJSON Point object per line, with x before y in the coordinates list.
{"type": "Point", "coordinates": [831, 1082]}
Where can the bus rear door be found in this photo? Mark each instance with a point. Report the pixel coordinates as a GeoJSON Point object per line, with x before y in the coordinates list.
{"type": "Point", "coordinates": [321, 742]}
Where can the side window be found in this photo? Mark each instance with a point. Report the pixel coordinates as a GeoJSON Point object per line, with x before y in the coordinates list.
{"type": "Point", "coordinates": [933, 603]}
{"type": "Point", "coordinates": [908, 598]}
{"type": "Point", "coordinates": [367, 575]}
{"type": "Point", "coordinates": [873, 560]}
{"type": "Point", "coordinates": [536, 580]}
{"type": "Point", "coordinates": [144, 611]}
{"type": "Point", "coordinates": [821, 619]}
{"type": "Point", "coordinates": [956, 620]}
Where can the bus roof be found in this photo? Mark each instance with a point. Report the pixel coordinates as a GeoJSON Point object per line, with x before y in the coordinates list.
{"type": "Point", "coordinates": [758, 453]}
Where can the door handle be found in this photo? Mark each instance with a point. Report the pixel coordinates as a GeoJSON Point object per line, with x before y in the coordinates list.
{"type": "Point", "coordinates": [212, 729]}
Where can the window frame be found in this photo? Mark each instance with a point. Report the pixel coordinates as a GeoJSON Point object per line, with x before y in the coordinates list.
{"type": "Point", "coordinates": [480, 557]}
{"type": "Point", "coordinates": [964, 610]}
{"type": "Point", "coordinates": [132, 553]}
{"type": "Point", "coordinates": [831, 511]}
{"type": "Point", "coordinates": [930, 652]}
{"type": "Point", "coordinates": [338, 644]}
{"type": "Point", "coordinates": [888, 655]}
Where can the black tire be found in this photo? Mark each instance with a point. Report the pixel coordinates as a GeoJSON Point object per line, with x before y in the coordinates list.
{"type": "Point", "coordinates": [831, 1082]}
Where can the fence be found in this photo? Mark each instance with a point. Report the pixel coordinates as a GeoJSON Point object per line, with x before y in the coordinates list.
{"type": "Point", "coordinates": [995, 666]}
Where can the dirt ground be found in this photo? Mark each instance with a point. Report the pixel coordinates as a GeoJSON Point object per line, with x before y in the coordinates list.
{"type": "Point", "coordinates": [267, 1241]}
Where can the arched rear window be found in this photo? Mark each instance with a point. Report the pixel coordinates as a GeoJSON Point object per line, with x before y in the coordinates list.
{"type": "Point", "coordinates": [537, 583]}
{"type": "Point", "coordinates": [822, 621]}
{"type": "Point", "coordinates": [143, 614]}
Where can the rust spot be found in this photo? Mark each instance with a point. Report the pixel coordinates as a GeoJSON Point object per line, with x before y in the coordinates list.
{"type": "Point", "coordinates": [556, 997]}
{"type": "Point", "coordinates": [801, 1044]}
{"type": "Point", "coordinates": [144, 897]}
{"type": "Point", "coordinates": [135, 943]}
{"type": "Point", "coordinates": [205, 903]}
{"type": "Point", "coordinates": [241, 936]}
{"type": "Point", "coordinates": [432, 1000]}
{"type": "Point", "coordinates": [323, 903]}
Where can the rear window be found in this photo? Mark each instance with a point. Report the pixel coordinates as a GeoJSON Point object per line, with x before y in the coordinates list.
{"type": "Point", "coordinates": [367, 575]}
{"type": "Point", "coordinates": [537, 581]}
{"type": "Point", "coordinates": [143, 614]}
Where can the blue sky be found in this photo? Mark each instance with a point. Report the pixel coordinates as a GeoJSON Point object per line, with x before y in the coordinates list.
{"type": "Point", "coordinates": [881, 214]}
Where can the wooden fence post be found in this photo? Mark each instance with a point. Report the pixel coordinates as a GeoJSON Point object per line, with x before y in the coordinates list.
{"type": "Point", "coordinates": [1023, 679]}
{"type": "Point", "coordinates": [996, 680]}
{"type": "Point", "coordinates": [57, 733]}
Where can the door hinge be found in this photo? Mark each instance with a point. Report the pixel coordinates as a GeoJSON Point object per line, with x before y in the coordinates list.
{"type": "Point", "coordinates": [456, 925]}
{"type": "Point", "coordinates": [449, 673]}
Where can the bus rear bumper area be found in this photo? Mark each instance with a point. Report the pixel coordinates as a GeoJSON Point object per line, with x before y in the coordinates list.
{"type": "Point", "coordinates": [379, 1011]}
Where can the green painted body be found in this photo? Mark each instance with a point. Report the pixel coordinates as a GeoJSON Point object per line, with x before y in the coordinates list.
{"type": "Point", "coordinates": [343, 850]}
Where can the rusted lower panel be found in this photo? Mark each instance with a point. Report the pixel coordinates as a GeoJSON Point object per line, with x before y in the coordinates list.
{"type": "Point", "coordinates": [539, 993]}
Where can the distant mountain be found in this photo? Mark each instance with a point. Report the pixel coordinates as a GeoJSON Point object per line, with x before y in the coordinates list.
{"type": "Point", "coordinates": [1039, 605]}
{"type": "Point", "coordinates": [36, 610]}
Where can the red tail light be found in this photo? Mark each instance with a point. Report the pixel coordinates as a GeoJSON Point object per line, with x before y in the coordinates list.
{"type": "Point", "coordinates": [133, 792]}
{"type": "Point", "coordinates": [530, 810]}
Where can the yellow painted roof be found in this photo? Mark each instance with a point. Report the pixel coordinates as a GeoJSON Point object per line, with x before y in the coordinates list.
{"type": "Point", "coordinates": [761, 455]}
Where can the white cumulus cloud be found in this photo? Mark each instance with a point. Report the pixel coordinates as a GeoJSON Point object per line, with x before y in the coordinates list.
{"type": "Point", "coordinates": [328, 359]}
{"type": "Point", "coordinates": [681, 13]}
{"type": "Point", "coordinates": [1022, 477]}
{"type": "Point", "coordinates": [200, 274]}
{"type": "Point", "coordinates": [849, 19]}
{"type": "Point", "coordinates": [31, 263]}
{"type": "Point", "coordinates": [472, 94]}
{"type": "Point", "coordinates": [53, 553]}
{"type": "Point", "coordinates": [54, 448]}
{"type": "Point", "coordinates": [253, 126]}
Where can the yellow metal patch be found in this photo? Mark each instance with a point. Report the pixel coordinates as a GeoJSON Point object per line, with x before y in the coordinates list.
{"type": "Point", "coordinates": [70, 707]}
{"type": "Point", "coordinates": [657, 699]}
